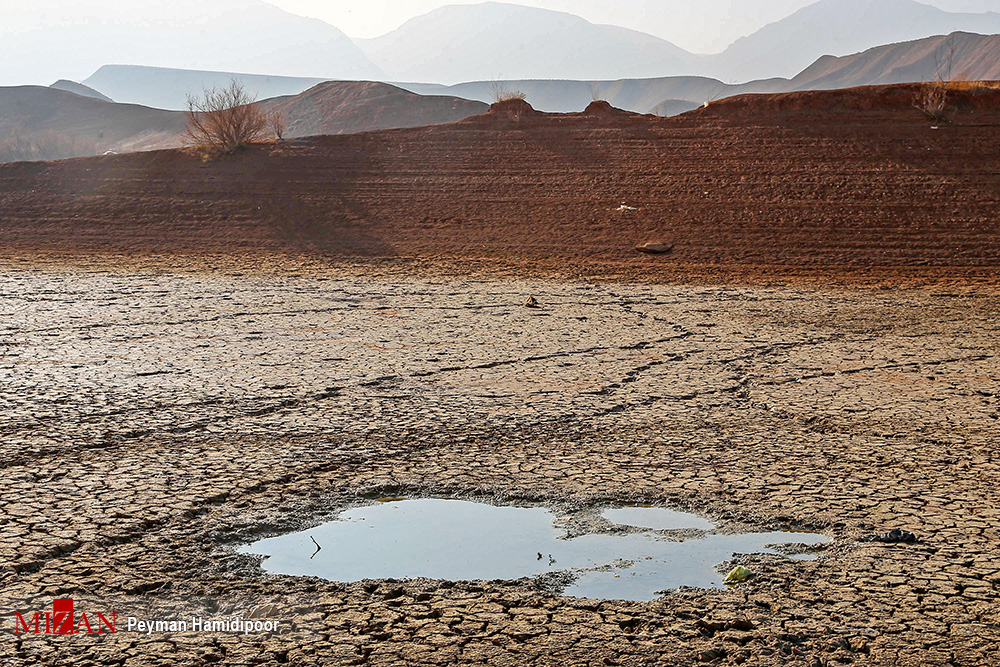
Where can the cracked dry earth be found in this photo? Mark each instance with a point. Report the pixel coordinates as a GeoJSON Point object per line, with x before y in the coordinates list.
{"type": "Point", "coordinates": [150, 422]}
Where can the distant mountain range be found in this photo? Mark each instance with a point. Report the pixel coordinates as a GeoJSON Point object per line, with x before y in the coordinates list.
{"type": "Point", "coordinates": [167, 88]}
{"type": "Point", "coordinates": [80, 89]}
{"type": "Point", "coordinates": [454, 43]}
{"type": "Point", "coordinates": [48, 123]}
{"type": "Point", "coordinates": [494, 40]}
{"type": "Point", "coordinates": [45, 40]}
{"type": "Point", "coordinates": [961, 55]}
{"type": "Point", "coordinates": [838, 28]}
{"type": "Point", "coordinates": [450, 45]}
{"type": "Point", "coordinates": [638, 95]}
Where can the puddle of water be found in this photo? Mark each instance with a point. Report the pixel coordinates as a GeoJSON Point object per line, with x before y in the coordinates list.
{"type": "Point", "coordinates": [460, 540]}
{"type": "Point", "coordinates": [655, 518]}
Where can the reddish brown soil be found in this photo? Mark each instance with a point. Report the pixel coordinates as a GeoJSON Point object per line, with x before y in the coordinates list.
{"type": "Point", "coordinates": [839, 184]}
{"type": "Point", "coordinates": [968, 102]}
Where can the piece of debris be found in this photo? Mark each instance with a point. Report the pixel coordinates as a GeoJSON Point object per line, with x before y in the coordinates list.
{"type": "Point", "coordinates": [655, 248]}
{"type": "Point", "coordinates": [738, 575]}
{"type": "Point", "coordinates": [894, 536]}
{"type": "Point", "coordinates": [318, 547]}
{"type": "Point", "coordinates": [532, 302]}
{"type": "Point", "coordinates": [625, 208]}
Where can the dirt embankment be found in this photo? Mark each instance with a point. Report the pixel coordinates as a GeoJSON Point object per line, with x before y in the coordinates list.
{"type": "Point", "coordinates": [845, 183]}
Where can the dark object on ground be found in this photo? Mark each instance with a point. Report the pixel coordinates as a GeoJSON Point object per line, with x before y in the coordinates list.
{"type": "Point", "coordinates": [894, 536]}
{"type": "Point", "coordinates": [532, 302]}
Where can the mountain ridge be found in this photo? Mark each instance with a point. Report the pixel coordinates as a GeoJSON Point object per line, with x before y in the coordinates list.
{"type": "Point", "coordinates": [38, 122]}
{"type": "Point", "coordinates": [242, 35]}
{"type": "Point", "coordinates": [838, 28]}
{"type": "Point", "coordinates": [459, 43]}
{"type": "Point", "coordinates": [960, 55]}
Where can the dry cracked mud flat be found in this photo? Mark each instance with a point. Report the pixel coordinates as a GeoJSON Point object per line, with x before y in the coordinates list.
{"type": "Point", "coordinates": [153, 420]}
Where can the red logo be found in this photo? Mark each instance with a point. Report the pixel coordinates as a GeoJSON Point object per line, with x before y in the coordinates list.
{"type": "Point", "coordinates": [62, 621]}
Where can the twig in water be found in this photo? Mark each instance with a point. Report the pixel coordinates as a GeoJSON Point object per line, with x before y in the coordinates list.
{"type": "Point", "coordinates": [318, 547]}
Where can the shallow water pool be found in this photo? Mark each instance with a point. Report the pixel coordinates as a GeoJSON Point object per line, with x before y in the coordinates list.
{"type": "Point", "coordinates": [627, 553]}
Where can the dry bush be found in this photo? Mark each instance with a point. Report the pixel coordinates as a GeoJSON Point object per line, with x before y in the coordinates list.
{"type": "Point", "coordinates": [502, 91]}
{"type": "Point", "coordinates": [276, 120]}
{"type": "Point", "coordinates": [933, 97]}
{"type": "Point", "coordinates": [225, 119]}
{"type": "Point", "coordinates": [932, 100]}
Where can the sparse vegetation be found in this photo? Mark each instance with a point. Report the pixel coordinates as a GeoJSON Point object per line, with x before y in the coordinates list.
{"type": "Point", "coordinates": [933, 97]}
{"type": "Point", "coordinates": [962, 84]}
{"type": "Point", "coordinates": [503, 91]}
{"type": "Point", "coordinates": [276, 120]}
{"type": "Point", "coordinates": [932, 100]}
{"type": "Point", "coordinates": [595, 91]}
{"type": "Point", "coordinates": [225, 119]}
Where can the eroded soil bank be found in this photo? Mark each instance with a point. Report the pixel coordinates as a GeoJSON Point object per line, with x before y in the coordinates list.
{"type": "Point", "coordinates": [152, 418]}
{"type": "Point", "coordinates": [836, 184]}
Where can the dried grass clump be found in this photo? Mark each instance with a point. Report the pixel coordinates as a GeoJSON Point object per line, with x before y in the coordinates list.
{"type": "Point", "coordinates": [502, 91]}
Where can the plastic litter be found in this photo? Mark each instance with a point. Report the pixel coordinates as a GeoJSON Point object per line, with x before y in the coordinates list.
{"type": "Point", "coordinates": [737, 575]}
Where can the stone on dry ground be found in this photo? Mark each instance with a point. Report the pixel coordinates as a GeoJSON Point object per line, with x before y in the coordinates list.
{"type": "Point", "coordinates": [151, 420]}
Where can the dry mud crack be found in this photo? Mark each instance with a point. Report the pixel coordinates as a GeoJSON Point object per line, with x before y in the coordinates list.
{"type": "Point", "coordinates": [149, 420]}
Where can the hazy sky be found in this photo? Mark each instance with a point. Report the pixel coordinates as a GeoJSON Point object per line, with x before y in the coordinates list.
{"type": "Point", "coordinates": [44, 40]}
{"type": "Point", "coordinates": [702, 26]}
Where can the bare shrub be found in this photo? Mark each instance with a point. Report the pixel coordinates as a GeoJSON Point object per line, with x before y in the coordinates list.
{"type": "Point", "coordinates": [225, 119]}
{"type": "Point", "coordinates": [503, 91]}
{"type": "Point", "coordinates": [276, 120]}
{"type": "Point", "coordinates": [932, 100]}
